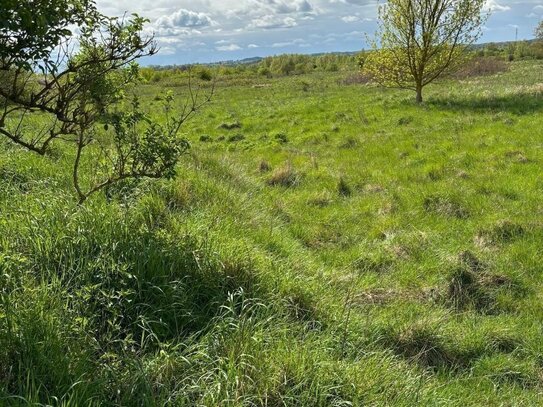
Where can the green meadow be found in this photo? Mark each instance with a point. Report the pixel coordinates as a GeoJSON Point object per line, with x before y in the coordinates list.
{"type": "Point", "coordinates": [324, 243]}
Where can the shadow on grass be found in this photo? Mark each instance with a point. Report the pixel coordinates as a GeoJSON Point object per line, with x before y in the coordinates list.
{"type": "Point", "coordinates": [518, 104]}
{"type": "Point", "coordinates": [96, 290]}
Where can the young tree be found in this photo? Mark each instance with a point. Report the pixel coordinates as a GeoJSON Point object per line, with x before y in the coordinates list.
{"type": "Point", "coordinates": [418, 41]}
{"type": "Point", "coordinates": [75, 68]}
{"type": "Point", "coordinates": [539, 31]}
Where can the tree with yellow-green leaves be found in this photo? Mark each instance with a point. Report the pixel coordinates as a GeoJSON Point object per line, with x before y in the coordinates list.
{"type": "Point", "coordinates": [419, 41]}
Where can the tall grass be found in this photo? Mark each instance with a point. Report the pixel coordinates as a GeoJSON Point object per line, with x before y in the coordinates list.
{"type": "Point", "coordinates": [402, 268]}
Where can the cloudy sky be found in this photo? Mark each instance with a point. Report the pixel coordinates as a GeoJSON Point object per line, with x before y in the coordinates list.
{"type": "Point", "coordinates": [217, 30]}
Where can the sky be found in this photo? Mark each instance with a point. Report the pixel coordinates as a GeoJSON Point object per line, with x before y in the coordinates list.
{"type": "Point", "coordinates": [199, 31]}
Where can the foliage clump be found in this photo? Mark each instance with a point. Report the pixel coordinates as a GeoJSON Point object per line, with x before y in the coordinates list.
{"type": "Point", "coordinates": [77, 67]}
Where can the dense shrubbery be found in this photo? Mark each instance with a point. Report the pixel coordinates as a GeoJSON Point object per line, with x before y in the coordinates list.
{"type": "Point", "coordinates": [513, 50]}
{"type": "Point", "coordinates": [280, 65]}
{"type": "Point", "coordinates": [480, 66]}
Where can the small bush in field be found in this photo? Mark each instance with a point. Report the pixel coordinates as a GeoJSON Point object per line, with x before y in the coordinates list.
{"type": "Point", "coordinates": [482, 66]}
{"type": "Point", "coordinates": [205, 75]}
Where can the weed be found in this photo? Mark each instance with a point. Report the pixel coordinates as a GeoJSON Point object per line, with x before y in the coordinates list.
{"type": "Point", "coordinates": [380, 263]}
{"type": "Point", "coordinates": [421, 344]}
{"type": "Point", "coordinates": [403, 121]}
{"type": "Point", "coordinates": [350, 142]}
{"type": "Point", "coordinates": [321, 200]}
{"type": "Point", "coordinates": [473, 286]}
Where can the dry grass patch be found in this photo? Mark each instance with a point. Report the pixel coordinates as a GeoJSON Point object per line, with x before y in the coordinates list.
{"type": "Point", "coordinates": [445, 206]}
{"type": "Point", "coordinates": [285, 176]}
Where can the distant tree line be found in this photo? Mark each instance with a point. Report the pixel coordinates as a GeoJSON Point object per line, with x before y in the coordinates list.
{"type": "Point", "coordinates": [513, 51]}
{"type": "Point", "coordinates": [280, 65]}
{"type": "Point", "coordinates": [298, 64]}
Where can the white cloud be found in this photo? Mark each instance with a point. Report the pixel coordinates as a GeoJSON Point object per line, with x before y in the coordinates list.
{"type": "Point", "coordinates": [285, 7]}
{"type": "Point", "coordinates": [272, 21]}
{"type": "Point", "coordinates": [256, 25]}
{"type": "Point", "coordinates": [299, 41]}
{"type": "Point", "coordinates": [493, 5]}
{"type": "Point", "coordinates": [167, 51]}
{"type": "Point", "coordinates": [229, 48]}
{"type": "Point", "coordinates": [185, 18]}
{"type": "Point", "coordinates": [350, 19]}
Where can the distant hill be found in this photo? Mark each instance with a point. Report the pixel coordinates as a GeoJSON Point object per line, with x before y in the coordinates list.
{"type": "Point", "coordinates": [257, 59]}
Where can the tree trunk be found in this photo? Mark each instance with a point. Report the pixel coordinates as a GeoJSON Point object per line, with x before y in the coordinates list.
{"type": "Point", "coordinates": [419, 94]}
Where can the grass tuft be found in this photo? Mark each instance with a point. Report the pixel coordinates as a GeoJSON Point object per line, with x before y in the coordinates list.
{"type": "Point", "coordinates": [505, 231]}
{"type": "Point", "coordinates": [445, 206]}
{"type": "Point", "coordinates": [343, 188]}
{"type": "Point", "coordinates": [230, 126]}
{"type": "Point", "coordinates": [285, 176]}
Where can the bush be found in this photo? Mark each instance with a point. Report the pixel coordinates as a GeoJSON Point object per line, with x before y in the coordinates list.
{"type": "Point", "coordinates": [264, 71]}
{"type": "Point", "coordinates": [205, 75]}
{"type": "Point", "coordinates": [482, 66]}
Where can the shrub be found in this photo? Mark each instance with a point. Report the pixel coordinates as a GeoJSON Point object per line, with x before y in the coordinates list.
{"type": "Point", "coordinates": [264, 71]}
{"type": "Point", "coordinates": [205, 75]}
{"type": "Point", "coordinates": [482, 66]}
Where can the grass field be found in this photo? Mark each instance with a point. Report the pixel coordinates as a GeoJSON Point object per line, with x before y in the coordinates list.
{"type": "Point", "coordinates": [324, 244]}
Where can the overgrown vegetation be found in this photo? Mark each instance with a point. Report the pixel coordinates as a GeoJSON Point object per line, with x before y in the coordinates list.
{"type": "Point", "coordinates": [79, 85]}
{"type": "Point", "coordinates": [310, 251]}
